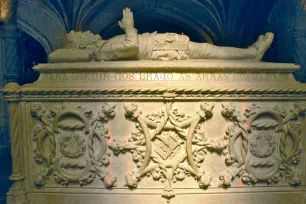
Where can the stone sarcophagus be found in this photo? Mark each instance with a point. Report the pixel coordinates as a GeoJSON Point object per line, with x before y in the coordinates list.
{"type": "Point", "coordinates": [195, 131]}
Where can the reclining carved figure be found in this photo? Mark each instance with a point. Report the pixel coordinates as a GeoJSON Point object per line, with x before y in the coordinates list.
{"type": "Point", "coordinates": [85, 46]}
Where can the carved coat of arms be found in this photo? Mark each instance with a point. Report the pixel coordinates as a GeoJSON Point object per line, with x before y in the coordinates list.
{"type": "Point", "coordinates": [168, 145]}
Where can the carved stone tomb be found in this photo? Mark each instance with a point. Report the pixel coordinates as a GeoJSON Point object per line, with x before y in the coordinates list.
{"type": "Point", "coordinates": [194, 131]}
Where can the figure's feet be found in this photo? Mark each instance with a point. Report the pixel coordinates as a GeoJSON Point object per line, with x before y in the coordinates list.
{"type": "Point", "coordinates": [262, 45]}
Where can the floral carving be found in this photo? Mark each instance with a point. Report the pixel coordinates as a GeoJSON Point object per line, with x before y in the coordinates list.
{"type": "Point", "coordinates": [282, 112]}
{"type": "Point", "coordinates": [260, 131]}
{"type": "Point", "coordinates": [80, 145]}
{"type": "Point", "coordinates": [168, 145]}
{"type": "Point", "coordinates": [262, 151]}
{"type": "Point", "coordinates": [204, 180]}
{"type": "Point", "coordinates": [82, 123]}
{"type": "Point", "coordinates": [109, 180]}
{"type": "Point", "coordinates": [131, 180]}
{"type": "Point", "coordinates": [37, 110]}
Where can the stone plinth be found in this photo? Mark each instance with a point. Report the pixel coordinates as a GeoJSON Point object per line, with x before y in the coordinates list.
{"type": "Point", "coordinates": [198, 131]}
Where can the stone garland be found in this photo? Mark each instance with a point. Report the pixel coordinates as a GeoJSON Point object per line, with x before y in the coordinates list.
{"type": "Point", "coordinates": [53, 124]}
{"type": "Point", "coordinates": [169, 145]}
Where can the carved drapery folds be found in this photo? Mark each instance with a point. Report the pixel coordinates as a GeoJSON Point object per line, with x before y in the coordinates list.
{"type": "Point", "coordinates": [74, 133]}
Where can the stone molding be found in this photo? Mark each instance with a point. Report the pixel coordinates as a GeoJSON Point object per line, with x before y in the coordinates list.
{"type": "Point", "coordinates": [107, 137]}
{"type": "Point", "coordinates": [224, 66]}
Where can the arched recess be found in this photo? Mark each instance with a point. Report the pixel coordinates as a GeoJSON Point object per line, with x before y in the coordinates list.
{"type": "Point", "coordinates": [39, 20]}
{"type": "Point", "coordinates": [228, 23]}
{"type": "Point", "coordinates": [200, 18]}
{"type": "Point", "coordinates": [287, 21]}
{"type": "Point", "coordinates": [222, 22]}
{"type": "Point", "coordinates": [245, 21]}
{"type": "Point", "coordinates": [161, 22]}
{"type": "Point", "coordinates": [32, 53]}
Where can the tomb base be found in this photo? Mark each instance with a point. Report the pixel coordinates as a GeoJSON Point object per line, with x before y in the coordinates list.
{"type": "Point", "coordinates": [197, 131]}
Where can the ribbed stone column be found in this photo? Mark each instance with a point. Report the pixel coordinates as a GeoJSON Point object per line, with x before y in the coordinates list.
{"type": "Point", "coordinates": [10, 71]}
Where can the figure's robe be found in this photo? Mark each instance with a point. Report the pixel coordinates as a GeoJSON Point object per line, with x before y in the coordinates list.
{"type": "Point", "coordinates": [147, 46]}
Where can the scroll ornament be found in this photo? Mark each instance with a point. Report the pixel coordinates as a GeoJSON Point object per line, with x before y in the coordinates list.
{"type": "Point", "coordinates": [265, 153]}
{"type": "Point", "coordinates": [168, 146]}
{"type": "Point", "coordinates": [76, 133]}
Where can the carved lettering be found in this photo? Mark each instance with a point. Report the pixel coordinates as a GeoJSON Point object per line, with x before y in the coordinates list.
{"type": "Point", "coordinates": [126, 76]}
{"type": "Point", "coordinates": [184, 76]}
{"type": "Point", "coordinates": [157, 76]}
{"type": "Point", "coordinates": [212, 77]}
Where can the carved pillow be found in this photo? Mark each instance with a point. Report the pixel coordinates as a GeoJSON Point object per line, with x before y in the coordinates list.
{"type": "Point", "coordinates": [69, 55]}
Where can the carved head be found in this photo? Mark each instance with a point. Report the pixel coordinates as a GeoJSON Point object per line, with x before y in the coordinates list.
{"type": "Point", "coordinates": [109, 110]}
{"type": "Point", "coordinates": [228, 111]}
{"type": "Point", "coordinates": [131, 111]}
{"type": "Point", "coordinates": [206, 110]}
{"type": "Point", "coordinates": [82, 40]}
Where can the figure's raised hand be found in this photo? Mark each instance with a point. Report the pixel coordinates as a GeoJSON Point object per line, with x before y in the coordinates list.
{"type": "Point", "coordinates": [127, 22]}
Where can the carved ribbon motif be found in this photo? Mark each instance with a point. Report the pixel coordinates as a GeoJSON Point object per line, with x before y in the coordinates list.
{"type": "Point", "coordinates": [73, 131]}
{"type": "Point", "coordinates": [263, 154]}
{"type": "Point", "coordinates": [168, 145]}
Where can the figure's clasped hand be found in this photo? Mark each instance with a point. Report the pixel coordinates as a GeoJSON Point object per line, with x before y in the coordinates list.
{"type": "Point", "coordinates": [127, 22]}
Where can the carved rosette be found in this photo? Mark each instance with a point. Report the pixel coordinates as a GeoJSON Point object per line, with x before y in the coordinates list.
{"type": "Point", "coordinates": [65, 144]}
{"type": "Point", "coordinates": [264, 153]}
{"type": "Point", "coordinates": [168, 146]}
